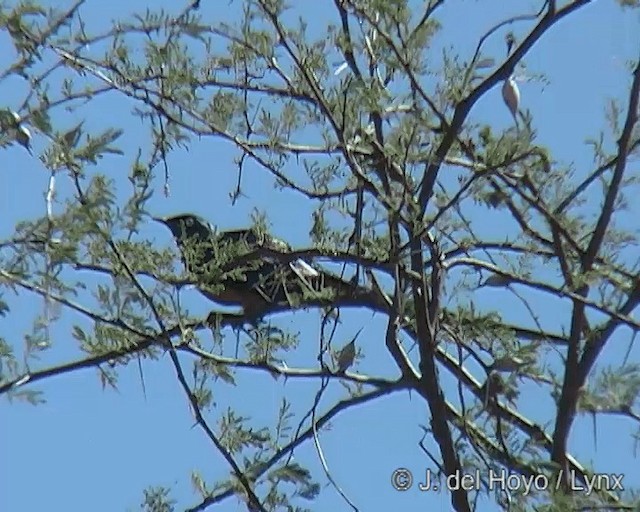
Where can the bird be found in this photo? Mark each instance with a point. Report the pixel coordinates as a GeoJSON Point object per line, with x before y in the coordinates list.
{"type": "Point", "coordinates": [511, 96]}
{"type": "Point", "coordinates": [231, 268]}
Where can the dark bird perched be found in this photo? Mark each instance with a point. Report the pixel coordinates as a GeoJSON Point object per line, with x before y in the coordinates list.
{"type": "Point", "coordinates": [233, 268]}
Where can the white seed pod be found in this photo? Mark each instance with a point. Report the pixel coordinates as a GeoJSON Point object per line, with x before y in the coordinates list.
{"type": "Point", "coordinates": [22, 134]}
{"type": "Point", "coordinates": [23, 137]}
{"type": "Point", "coordinates": [340, 68]}
{"type": "Point", "coordinates": [511, 96]}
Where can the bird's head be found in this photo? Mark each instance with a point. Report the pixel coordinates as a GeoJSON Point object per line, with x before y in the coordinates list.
{"type": "Point", "coordinates": [187, 226]}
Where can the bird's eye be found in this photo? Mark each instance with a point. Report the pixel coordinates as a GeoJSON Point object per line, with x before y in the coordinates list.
{"type": "Point", "coordinates": [189, 222]}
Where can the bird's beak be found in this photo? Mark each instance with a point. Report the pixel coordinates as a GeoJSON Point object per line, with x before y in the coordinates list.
{"type": "Point", "coordinates": [162, 220]}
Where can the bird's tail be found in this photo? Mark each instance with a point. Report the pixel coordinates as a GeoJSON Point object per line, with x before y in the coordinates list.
{"type": "Point", "coordinates": [287, 288]}
{"type": "Point", "coordinates": [327, 289]}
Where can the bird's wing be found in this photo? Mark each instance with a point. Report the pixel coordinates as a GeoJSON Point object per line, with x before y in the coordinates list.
{"type": "Point", "coordinates": [249, 276]}
{"type": "Point", "coordinates": [248, 236]}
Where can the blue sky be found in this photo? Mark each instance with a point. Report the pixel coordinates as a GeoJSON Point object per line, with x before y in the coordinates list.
{"type": "Point", "coordinates": [89, 448]}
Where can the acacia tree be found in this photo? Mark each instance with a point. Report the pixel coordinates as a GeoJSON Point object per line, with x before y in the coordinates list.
{"type": "Point", "coordinates": [373, 129]}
